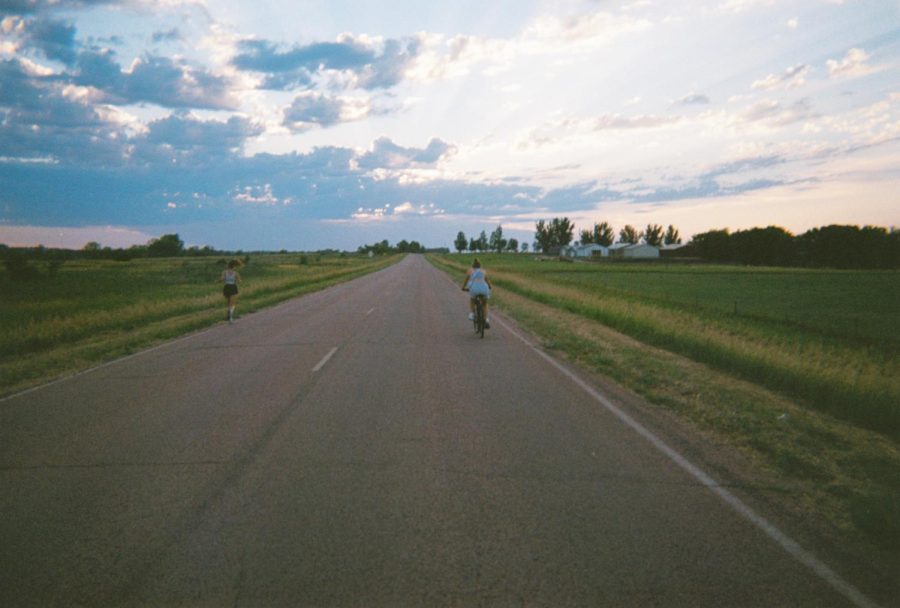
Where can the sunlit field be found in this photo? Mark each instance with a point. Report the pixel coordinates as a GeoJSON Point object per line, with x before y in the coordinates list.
{"type": "Point", "coordinates": [91, 310]}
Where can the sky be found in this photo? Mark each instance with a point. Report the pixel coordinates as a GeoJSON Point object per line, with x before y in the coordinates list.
{"type": "Point", "coordinates": [306, 125]}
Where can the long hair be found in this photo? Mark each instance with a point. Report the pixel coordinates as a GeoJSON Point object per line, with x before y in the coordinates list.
{"type": "Point", "coordinates": [476, 263]}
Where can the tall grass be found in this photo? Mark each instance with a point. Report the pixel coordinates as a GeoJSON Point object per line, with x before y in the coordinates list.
{"type": "Point", "coordinates": [834, 369]}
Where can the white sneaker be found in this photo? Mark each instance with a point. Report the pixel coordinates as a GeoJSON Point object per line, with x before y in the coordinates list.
{"type": "Point", "coordinates": [471, 316]}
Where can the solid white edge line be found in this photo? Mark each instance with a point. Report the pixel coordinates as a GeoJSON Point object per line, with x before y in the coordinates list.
{"type": "Point", "coordinates": [325, 359]}
{"type": "Point", "coordinates": [370, 311]}
{"type": "Point", "coordinates": [788, 544]}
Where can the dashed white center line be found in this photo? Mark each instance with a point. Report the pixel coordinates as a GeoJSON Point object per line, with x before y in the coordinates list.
{"type": "Point", "coordinates": [324, 360]}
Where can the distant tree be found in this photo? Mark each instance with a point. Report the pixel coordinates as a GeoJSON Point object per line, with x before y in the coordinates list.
{"type": "Point", "coordinates": [482, 242]}
{"type": "Point", "coordinates": [543, 237]}
{"type": "Point", "coordinates": [603, 234]}
{"type": "Point", "coordinates": [772, 246]}
{"type": "Point", "coordinates": [166, 246]}
{"type": "Point", "coordinates": [524, 247]}
{"type": "Point", "coordinates": [403, 246]}
{"type": "Point", "coordinates": [473, 245]}
{"type": "Point", "coordinates": [497, 242]}
{"type": "Point", "coordinates": [629, 234]}
{"type": "Point", "coordinates": [460, 242]}
{"type": "Point", "coordinates": [512, 245]}
{"type": "Point", "coordinates": [714, 245]}
{"type": "Point", "coordinates": [557, 233]}
{"type": "Point", "coordinates": [92, 247]}
{"type": "Point", "coordinates": [586, 236]}
{"type": "Point", "coordinates": [653, 235]}
{"type": "Point", "coordinates": [839, 246]}
{"type": "Point", "coordinates": [562, 230]}
{"type": "Point", "coordinates": [672, 237]}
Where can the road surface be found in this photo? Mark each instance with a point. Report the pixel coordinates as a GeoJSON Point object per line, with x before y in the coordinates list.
{"type": "Point", "coordinates": [361, 447]}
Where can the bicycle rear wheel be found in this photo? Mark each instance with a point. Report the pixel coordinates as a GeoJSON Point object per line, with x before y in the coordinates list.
{"type": "Point", "coordinates": [479, 316]}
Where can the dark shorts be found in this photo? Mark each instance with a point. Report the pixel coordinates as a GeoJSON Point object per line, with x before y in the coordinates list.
{"type": "Point", "coordinates": [230, 290]}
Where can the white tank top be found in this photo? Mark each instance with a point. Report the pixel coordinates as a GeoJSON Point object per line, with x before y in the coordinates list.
{"type": "Point", "coordinates": [230, 277]}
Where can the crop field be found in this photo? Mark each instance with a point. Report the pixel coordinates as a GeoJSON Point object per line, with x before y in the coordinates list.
{"type": "Point", "coordinates": [830, 338]}
{"type": "Point", "coordinates": [93, 310]}
{"type": "Point", "coordinates": [795, 369]}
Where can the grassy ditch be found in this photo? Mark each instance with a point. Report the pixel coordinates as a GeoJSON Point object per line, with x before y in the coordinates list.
{"type": "Point", "coordinates": [752, 382]}
{"type": "Point", "coordinates": [93, 310]}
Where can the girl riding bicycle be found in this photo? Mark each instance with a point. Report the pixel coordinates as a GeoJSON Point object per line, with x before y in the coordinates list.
{"type": "Point", "coordinates": [477, 284]}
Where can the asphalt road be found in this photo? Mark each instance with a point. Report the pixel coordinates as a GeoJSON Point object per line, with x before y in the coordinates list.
{"type": "Point", "coordinates": [360, 447]}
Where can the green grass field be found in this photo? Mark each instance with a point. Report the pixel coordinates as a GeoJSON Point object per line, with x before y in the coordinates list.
{"type": "Point", "coordinates": [94, 310]}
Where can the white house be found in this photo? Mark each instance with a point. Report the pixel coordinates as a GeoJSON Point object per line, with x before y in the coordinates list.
{"type": "Point", "coordinates": [641, 251]}
{"type": "Point", "coordinates": [588, 250]}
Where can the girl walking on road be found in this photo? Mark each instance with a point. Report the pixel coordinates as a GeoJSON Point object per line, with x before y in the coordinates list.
{"type": "Point", "coordinates": [231, 278]}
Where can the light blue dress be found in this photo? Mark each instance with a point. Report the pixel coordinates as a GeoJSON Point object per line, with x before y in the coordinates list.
{"type": "Point", "coordinates": [478, 284]}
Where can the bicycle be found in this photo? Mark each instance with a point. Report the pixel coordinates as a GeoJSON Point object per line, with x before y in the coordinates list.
{"type": "Point", "coordinates": [479, 321]}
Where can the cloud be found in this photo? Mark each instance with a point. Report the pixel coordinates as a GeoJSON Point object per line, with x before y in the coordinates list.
{"type": "Point", "coordinates": [55, 39]}
{"type": "Point", "coordinates": [174, 84]}
{"type": "Point", "coordinates": [591, 28]}
{"type": "Point", "coordinates": [853, 65]}
{"type": "Point", "coordinates": [609, 122]}
{"type": "Point", "coordinates": [565, 129]}
{"type": "Point", "coordinates": [369, 63]}
{"type": "Point", "coordinates": [314, 109]}
{"type": "Point", "coordinates": [692, 99]}
{"type": "Point", "coordinates": [744, 165]}
{"type": "Point", "coordinates": [70, 128]}
{"type": "Point", "coordinates": [259, 195]}
{"type": "Point", "coordinates": [28, 7]}
{"type": "Point", "coordinates": [184, 132]}
{"type": "Point", "coordinates": [167, 36]}
{"type": "Point", "coordinates": [153, 79]}
{"type": "Point", "coordinates": [386, 154]}
{"type": "Point", "coordinates": [164, 81]}
{"type": "Point", "coordinates": [403, 210]}
{"type": "Point", "coordinates": [774, 114]}
{"type": "Point", "coordinates": [439, 56]}
{"type": "Point", "coordinates": [794, 76]}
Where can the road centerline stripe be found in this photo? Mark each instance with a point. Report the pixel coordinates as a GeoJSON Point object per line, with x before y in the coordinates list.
{"type": "Point", "coordinates": [325, 359]}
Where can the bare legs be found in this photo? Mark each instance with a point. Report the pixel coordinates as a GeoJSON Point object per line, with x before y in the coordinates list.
{"type": "Point", "coordinates": [232, 302]}
{"type": "Point", "coordinates": [472, 307]}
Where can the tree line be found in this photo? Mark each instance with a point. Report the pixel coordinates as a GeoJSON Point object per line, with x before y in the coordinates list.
{"type": "Point", "coordinates": [496, 242]}
{"type": "Point", "coordinates": [559, 232]}
{"type": "Point", "coordinates": [384, 247]}
{"type": "Point", "coordinates": [833, 246]}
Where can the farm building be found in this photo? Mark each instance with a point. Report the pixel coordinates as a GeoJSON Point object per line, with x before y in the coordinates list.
{"type": "Point", "coordinates": [641, 251]}
{"type": "Point", "coordinates": [584, 251]}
